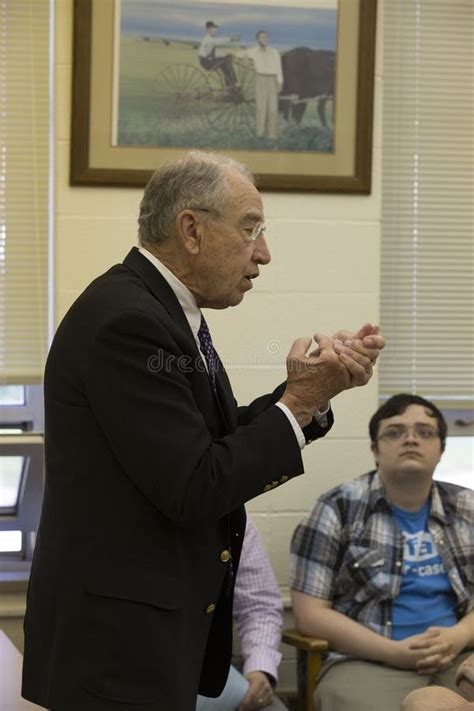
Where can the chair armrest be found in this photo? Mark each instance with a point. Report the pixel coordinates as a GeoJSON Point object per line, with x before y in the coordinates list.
{"type": "Point", "coordinates": [308, 664]}
{"type": "Point", "coordinates": [301, 641]}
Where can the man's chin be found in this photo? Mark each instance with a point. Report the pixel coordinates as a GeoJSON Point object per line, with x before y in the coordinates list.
{"type": "Point", "coordinates": [236, 298]}
{"type": "Point", "coordinates": [224, 302]}
{"type": "Point", "coordinates": [220, 305]}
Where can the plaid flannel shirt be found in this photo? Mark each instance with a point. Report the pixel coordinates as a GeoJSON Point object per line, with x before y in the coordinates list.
{"type": "Point", "coordinates": [350, 549]}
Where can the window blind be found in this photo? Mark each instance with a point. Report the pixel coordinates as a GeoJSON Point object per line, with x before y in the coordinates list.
{"type": "Point", "coordinates": [24, 177]}
{"type": "Point", "coordinates": [427, 271]}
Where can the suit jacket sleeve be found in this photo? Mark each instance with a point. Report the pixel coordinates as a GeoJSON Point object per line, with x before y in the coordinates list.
{"type": "Point", "coordinates": [312, 431]}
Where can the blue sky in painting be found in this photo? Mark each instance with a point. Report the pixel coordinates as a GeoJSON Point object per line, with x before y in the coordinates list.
{"type": "Point", "coordinates": [287, 26]}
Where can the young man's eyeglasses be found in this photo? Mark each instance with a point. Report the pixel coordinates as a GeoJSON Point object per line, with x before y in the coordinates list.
{"type": "Point", "coordinates": [398, 432]}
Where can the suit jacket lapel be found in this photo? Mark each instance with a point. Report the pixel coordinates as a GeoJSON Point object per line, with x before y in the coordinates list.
{"type": "Point", "coordinates": [160, 288]}
{"type": "Point", "coordinates": [226, 397]}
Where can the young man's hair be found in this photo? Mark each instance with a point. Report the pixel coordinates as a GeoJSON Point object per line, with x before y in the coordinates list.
{"type": "Point", "coordinates": [397, 404]}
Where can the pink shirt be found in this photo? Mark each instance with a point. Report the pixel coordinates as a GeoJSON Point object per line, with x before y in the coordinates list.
{"type": "Point", "coordinates": [258, 607]}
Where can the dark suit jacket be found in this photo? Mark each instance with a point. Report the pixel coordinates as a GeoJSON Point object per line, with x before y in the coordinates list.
{"type": "Point", "coordinates": [130, 602]}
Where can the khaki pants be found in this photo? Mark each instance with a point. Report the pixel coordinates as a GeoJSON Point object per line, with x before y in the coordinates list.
{"type": "Point", "coordinates": [354, 685]}
{"type": "Point", "coordinates": [266, 100]}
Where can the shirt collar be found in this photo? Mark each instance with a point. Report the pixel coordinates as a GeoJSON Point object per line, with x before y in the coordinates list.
{"type": "Point", "coordinates": [185, 297]}
{"type": "Point", "coordinates": [437, 509]}
{"type": "Point", "coordinates": [377, 494]}
{"type": "Point", "coordinates": [377, 491]}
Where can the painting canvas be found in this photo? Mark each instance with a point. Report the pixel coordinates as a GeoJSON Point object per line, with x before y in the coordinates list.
{"type": "Point", "coordinates": [283, 86]}
{"type": "Point", "coordinates": [226, 76]}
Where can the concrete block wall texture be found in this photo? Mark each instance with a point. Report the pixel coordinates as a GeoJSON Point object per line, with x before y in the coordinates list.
{"type": "Point", "coordinates": [324, 276]}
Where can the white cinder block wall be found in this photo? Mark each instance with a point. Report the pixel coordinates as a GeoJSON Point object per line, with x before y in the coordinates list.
{"type": "Point", "coordinates": [324, 276]}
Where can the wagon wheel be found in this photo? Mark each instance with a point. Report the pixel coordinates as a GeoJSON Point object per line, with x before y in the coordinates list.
{"type": "Point", "coordinates": [233, 111]}
{"type": "Point", "coordinates": [182, 94]}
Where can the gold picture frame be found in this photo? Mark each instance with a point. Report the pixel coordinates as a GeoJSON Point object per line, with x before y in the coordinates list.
{"type": "Point", "coordinates": [98, 159]}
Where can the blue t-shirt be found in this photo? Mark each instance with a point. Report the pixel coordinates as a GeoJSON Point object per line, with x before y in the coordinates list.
{"type": "Point", "coordinates": [426, 596]}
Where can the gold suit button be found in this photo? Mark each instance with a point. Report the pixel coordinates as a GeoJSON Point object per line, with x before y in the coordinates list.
{"type": "Point", "coordinates": [283, 479]}
{"type": "Point", "coordinates": [274, 483]}
{"type": "Point", "coordinates": [210, 609]}
{"type": "Point", "coordinates": [267, 488]}
{"type": "Point", "coordinates": [225, 556]}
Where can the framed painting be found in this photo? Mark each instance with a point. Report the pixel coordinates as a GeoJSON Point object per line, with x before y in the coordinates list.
{"type": "Point", "coordinates": [284, 86]}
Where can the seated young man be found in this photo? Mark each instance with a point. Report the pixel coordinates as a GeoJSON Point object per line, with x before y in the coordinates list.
{"type": "Point", "coordinates": [383, 568]}
{"type": "Point", "coordinates": [258, 617]}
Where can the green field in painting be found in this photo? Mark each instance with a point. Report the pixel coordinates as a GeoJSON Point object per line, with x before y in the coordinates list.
{"type": "Point", "coordinates": [167, 99]}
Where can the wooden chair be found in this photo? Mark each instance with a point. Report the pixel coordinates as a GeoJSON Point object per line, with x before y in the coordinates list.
{"type": "Point", "coordinates": [308, 664]}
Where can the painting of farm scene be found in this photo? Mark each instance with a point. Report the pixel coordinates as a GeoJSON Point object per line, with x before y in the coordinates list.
{"type": "Point", "coordinates": [223, 75]}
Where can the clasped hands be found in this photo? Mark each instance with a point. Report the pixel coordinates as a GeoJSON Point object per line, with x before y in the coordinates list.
{"type": "Point", "coordinates": [340, 362]}
{"type": "Point", "coordinates": [429, 652]}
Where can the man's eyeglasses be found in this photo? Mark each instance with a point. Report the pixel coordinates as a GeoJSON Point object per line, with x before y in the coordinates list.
{"type": "Point", "coordinates": [250, 233]}
{"type": "Point", "coordinates": [398, 432]}
{"type": "Point", "coordinates": [253, 233]}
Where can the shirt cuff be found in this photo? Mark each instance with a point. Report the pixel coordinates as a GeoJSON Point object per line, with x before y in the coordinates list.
{"type": "Point", "coordinates": [319, 416]}
{"type": "Point", "coordinates": [263, 660]}
{"type": "Point", "coordinates": [296, 428]}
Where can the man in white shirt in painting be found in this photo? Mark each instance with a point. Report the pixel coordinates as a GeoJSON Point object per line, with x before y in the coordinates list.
{"type": "Point", "coordinates": [269, 81]}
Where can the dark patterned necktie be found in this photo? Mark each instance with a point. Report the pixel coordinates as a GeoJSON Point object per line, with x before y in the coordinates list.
{"type": "Point", "coordinates": [207, 349]}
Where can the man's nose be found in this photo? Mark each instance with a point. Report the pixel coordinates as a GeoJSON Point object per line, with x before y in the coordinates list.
{"type": "Point", "coordinates": [262, 253]}
{"type": "Point", "coordinates": [411, 435]}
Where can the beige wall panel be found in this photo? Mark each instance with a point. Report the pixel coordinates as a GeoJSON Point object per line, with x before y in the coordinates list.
{"type": "Point", "coordinates": [352, 411]}
{"type": "Point", "coordinates": [325, 256]}
{"type": "Point", "coordinates": [87, 247]}
{"type": "Point", "coordinates": [302, 314]}
{"type": "Point", "coordinates": [63, 10]}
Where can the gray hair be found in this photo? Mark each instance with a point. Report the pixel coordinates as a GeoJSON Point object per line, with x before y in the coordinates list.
{"type": "Point", "coordinates": [198, 180]}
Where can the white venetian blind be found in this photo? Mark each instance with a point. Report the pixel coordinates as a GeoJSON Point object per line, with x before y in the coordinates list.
{"type": "Point", "coordinates": [427, 289]}
{"type": "Point", "coordinates": [24, 166]}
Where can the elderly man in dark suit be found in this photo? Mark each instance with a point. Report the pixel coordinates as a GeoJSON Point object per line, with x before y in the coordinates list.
{"type": "Point", "coordinates": [149, 460]}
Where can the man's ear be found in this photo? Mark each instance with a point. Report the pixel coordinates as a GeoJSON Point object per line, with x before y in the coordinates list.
{"type": "Point", "coordinates": [375, 451]}
{"type": "Point", "coordinates": [189, 231]}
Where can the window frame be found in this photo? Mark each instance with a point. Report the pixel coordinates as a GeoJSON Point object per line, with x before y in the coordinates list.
{"type": "Point", "coordinates": [29, 416]}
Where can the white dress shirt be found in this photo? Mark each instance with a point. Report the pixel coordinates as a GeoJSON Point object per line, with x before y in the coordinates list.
{"type": "Point", "coordinates": [266, 60]}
